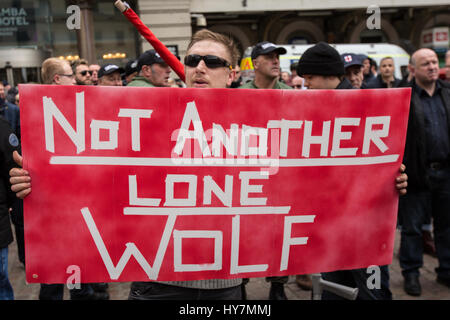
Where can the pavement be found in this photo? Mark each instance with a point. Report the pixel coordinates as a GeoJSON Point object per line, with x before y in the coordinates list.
{"type": "Point", "coordinates": [257, 288]}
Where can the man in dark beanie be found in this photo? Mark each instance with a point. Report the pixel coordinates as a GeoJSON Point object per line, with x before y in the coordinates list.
{"type": "Point", "coordinates": [322, 68]}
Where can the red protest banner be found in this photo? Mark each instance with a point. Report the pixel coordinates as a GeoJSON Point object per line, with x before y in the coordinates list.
{"type": "Point", "coordinates": [183, 184]}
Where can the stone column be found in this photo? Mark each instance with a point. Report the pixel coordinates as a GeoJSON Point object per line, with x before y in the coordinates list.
{"type": "Point", "coordinates": [85, 35]}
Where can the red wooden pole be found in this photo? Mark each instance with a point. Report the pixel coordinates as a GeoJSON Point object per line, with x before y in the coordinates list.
{"type": "Point", "coordinates": [159, 47]}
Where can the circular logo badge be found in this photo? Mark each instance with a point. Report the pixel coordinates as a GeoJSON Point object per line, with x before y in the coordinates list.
{"type": "Point", "coordinates": [13, 141]}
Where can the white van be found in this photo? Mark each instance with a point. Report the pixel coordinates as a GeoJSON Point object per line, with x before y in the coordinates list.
{"type": "Point", "coordinates": [375, 51]}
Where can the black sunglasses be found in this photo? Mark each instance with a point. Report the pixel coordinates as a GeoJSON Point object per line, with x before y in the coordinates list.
{"type": "Point", "coordinates": [84, 72]}
{"type": "Point", "coordinates": [211, 61]}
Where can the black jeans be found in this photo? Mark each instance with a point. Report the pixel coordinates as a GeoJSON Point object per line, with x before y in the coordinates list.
{"type": "Point", "coordinates": [160, 291]}
{"type": "Point", "coordinates": [414, 209]}
{"type": "Point", "coordinates": [56, 292]}
{"type": "Point", "coordinates": [17, 220]}
{"type": "Point", "coordinates": [357, 278]}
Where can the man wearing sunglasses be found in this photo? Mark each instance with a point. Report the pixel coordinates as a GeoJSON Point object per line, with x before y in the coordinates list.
{"type": "Point", "coordinates": [94, 68]}
{"type": "Point", "coordinates": [266, 63]}
{"type": "Point", "coordinates": [207, 65]}
{"type": "Point", "coordinates": [83, 76]}
{"type": "Point", "coordinates": [153, 71]}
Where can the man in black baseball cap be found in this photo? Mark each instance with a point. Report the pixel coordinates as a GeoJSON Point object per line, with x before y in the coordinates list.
{"type": "Point", "coordinates": [152, 71]}
{"type": "Point", "coordinates": [130, 71]}
{"type": "Point", "coordinates": [110, 75]}
{"type": "Point", "coordinates": [266, 63]}
{"type": "Point", "coordinates": [353, 66]}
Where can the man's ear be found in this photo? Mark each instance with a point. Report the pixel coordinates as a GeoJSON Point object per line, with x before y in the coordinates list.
{"type": "Point", "coordinates": [231, 77]}
{"type": "Point", "coordinates": [411, 69]}
{"type": "Point", "coordinates": [56, 79]}
{"type": "Point", "coordinates": [255, 63]}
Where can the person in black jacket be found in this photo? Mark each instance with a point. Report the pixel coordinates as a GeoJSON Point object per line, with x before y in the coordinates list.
{"type": "Point", "coordinates": [322, 68]}
{"type": "Point", "coordinates": [9, 111]}
{"type": "Point", "coordinates": [427, 158]}
{"type": "Point", "coordinates": [386, 78]}
{"type": "Point", "coordinates": [8, 143]}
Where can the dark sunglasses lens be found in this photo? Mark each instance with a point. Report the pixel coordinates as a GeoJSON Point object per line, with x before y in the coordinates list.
{"type": "Point", "coordinates": [192, 60]}
{"type": "Point", "coordinates": [214, 62]}
{"type": "Point", "coordinates": [83, 73]}
{"type": "Point", "coordinates": [211, 61]}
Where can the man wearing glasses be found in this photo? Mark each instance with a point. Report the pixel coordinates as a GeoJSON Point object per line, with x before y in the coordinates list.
{"type": "Point", "coordinates": [83, 76]}
{"type": "Point", "coordinates": [57, 71]}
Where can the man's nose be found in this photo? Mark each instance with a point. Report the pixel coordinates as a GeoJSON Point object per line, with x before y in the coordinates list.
{"type": "Point", "coordinates": [201, 66]}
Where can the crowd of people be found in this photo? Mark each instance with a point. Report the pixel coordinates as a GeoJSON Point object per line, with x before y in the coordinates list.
{"type": "Point", "coordinates": [212, 62]}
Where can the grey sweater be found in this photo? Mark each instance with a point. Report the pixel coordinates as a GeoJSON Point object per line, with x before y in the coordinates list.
{"type": "Point", "coordinates": [205, 284]}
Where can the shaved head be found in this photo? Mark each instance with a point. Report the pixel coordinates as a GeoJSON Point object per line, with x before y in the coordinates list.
{"type": "Point", "coordinates": [421, 53]}
{"type": "Point", "coordinates": [425, 68]}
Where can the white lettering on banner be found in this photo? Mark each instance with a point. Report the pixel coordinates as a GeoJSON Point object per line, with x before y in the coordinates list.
{"type": "Point", "coordinates": [112, 127]}
{"type": "Point", "coordinates": [309, 139]}
{"type": "Point", "coordinates": [217, 145]}
{"type": "Point", "coordinates": [211, 186]}
{"type": "Point", "coordinates": [131, 249]}
{"type": "Point", "coordinates": [338, 135]}
{"type": "Point", "coordinates": [235, 238]}
{"type": "Point", "coordinates": [133, 197]}
{"type": "Point", "coordinates": [284, 125]}
{"type": "Point", "coordinates": [376, 135]}
{"type": "Point", "coordinates": [247, 133]}
{"type": "Point", "coordinates": [178, 236]}
{"type": "Point", "coordinates": [186, 207]}
{"type": "Point", "coordinates": [246, 188]}
{"type": "Point", "coordinates": [252, 152]}
{"type": "Point", "coordinates": [153, 271]}
{"type": "Point", "coordinates": [219, 138]}
{"type": "Point", "coordinates": [51, 111]}
{"type": "Point", "coordinates": [191, 116]}
{"type": "Point", "coordinates": [135, 115]}
{"type": "Point", "coordinates": [191, 199]}
{"type": "Point", "coordinates": [77, 136]}
{"type": "Point", "coordinates": [288, 241]}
